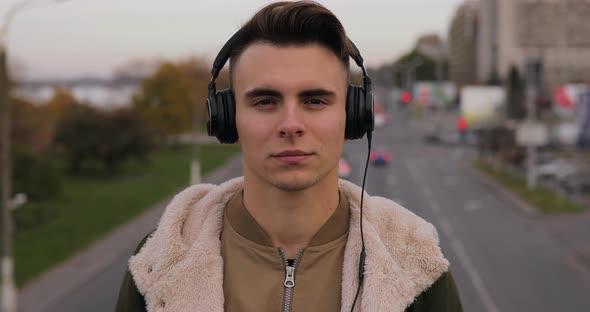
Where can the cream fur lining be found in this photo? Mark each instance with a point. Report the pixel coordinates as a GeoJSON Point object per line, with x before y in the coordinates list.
{"type": "Point", "coordinates": [180, 267]}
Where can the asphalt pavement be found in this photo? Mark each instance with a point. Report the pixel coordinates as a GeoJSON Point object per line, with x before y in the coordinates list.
{"type": "Point", "coordinates": [504, 257]}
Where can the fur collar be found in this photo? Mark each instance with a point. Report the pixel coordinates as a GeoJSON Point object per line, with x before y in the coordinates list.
{"type": "Point", "coordinates": [180, 266]}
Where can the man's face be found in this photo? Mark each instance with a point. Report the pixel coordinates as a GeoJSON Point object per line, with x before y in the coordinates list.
{"type": "Point", "coordinates": [290, 113]}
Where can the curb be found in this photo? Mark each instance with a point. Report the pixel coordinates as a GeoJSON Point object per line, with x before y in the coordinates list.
{"type": "Point", "coordinates": [525, 209]}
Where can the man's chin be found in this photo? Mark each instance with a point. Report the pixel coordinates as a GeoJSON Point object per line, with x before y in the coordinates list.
{"type": "Point", "coordinates": [294, 184]}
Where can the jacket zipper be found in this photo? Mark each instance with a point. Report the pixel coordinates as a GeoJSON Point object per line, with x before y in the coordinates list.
{"type": "Point", "coordinates": [289, 283]}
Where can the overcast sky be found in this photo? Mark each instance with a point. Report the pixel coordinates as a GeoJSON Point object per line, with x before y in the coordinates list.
{"type": "Point", "coordinates": [93, 37]}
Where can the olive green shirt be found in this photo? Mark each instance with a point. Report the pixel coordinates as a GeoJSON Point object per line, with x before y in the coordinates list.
{"type": "Point", "coordinates": [255, 270]}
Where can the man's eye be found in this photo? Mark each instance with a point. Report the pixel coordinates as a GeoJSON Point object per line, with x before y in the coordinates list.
{"type": "Point", "coordinates": [315, 101]}
{"type": "Point", "coordinates": [264, 102]}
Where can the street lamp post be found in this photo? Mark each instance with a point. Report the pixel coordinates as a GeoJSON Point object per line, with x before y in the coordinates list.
{"type": "Point", "coordinates": [8, 295]}
{"type": "Point", "coordinates": [8, 291]}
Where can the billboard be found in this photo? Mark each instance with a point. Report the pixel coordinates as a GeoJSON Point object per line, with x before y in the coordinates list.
{"type": "Point", "coordinates": [432, 93]}
{"type": "Point", "coordinates": [481, 104]}
{"type": "Point", "coordinates": [565, 99]}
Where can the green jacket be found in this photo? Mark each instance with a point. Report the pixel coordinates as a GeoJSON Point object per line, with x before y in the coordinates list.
{"type": "Point", "coordinates": [442, 296]}
{"type": "Point", "coordinates": [179, 268]}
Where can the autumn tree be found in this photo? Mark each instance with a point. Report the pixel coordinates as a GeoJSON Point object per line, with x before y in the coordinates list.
{"type": "Point", "coordinates": [33, 172]}
{"type": "Point", "coordinates": [174, 97]}
{"type": "Point", "coordinates": [165, 99]}
{"type": "Point", "coordinates": [111, 137]}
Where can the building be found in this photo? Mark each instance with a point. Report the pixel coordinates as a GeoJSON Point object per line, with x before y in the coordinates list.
{"type": "Point", "coordinates": [462, 45]}
{"type": "Point", "coordinates": [515, 32]}
{"type": "Point", "coordinates": [432, 46]}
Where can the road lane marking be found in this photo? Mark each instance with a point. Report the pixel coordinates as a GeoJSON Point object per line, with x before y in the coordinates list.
{"type": "Point", "coordinates": [391, 180]}
{"type": "Point", "coordinates": [472, 205]}
{"type": "Point", "coordinates": [450, 181]}
{"type": "Point", "coordinates": [456, 244]}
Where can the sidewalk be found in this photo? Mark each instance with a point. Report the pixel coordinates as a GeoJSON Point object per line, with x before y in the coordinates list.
{"type": "Point", "coordinates": [57, 283]}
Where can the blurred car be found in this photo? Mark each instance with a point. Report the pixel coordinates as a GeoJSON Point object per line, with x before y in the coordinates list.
{"type": "Point", "coordinates": [557, 169]}
{"type": "Point", "coordinates": [381, 117]}
{"type": "Point", "coordinates": [380, 157]}
{"type": "Point", "coordinates": [432, 137]}
{"type": "Point", "coordinates": [578, 182]}
{"type": "Point", "coordinates": [380, 120]}
{"type": "Point", "coordinates": [343, 168]}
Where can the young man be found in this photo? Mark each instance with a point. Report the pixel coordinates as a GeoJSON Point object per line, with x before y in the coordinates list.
{"type": "Point", "coordinates": [286, 236]}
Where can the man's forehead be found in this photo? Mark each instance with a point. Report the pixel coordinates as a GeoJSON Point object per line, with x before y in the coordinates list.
{"type": "Point", "coordinates": [265, 64]}
{"type": "Point", "coordinates": [264, 49]}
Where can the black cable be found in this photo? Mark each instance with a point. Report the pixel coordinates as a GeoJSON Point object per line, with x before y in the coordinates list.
{"type": "Point", "coordinates": [363, 254]}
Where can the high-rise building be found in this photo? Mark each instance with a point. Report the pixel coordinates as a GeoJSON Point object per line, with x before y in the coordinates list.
{"type": "Point", "coordinates": [515, 32]}
{"type": "Point", "coordinates": [462, 45]}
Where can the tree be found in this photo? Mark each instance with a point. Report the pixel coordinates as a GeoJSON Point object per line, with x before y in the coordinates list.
{"type": "Point", "coordinates": [176, 94]}
{"type": "Point", "coordinates": [494, 79]}
{"type": "Point", "coordinates": [60, 103]}
{"type": "Point", "coordinates": [516, 108]}
{"type": "Point", "coordinates": [426, 71]}
{"type": "Point", "coordinates": [109, 137]}
{"type": "Point", "coordinates": [22, 121]}
{"type": "Point", "coordinates": [35, 175]}
{"type": "Point", "coordinates": [166, 100]}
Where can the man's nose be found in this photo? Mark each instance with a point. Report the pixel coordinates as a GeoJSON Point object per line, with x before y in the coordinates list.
{"type": "Point", "coordinates": [291, 124]}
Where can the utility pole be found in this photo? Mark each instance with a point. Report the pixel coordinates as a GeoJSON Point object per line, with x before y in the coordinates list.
{"type": "Point", "coordinates": [8, 295]}
{"type": "Point", "coordinates": [196, 149]}
{"type": "Point", "coordinates": [8, 290]}
{"type": "Point", "coordinates": [195, 170]}
{"type": "Point", "coordinates": [533, 84]}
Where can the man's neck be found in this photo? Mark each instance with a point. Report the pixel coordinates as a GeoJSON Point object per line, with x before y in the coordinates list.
{"type": "Point", "coordinates": [291, 219]}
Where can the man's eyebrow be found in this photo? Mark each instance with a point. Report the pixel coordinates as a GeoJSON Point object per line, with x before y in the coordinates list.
{"type": "Point", "coordinates": [316, 92]}
{"type": "Point", "coordinates": [262, 92]}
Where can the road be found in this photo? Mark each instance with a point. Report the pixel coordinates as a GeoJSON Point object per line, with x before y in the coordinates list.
{"type": "Point", "coordinates": [502, 258]}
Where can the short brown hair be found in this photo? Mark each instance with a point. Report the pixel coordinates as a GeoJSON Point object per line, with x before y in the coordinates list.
{"type": "Point", "coordinates": [294, 23]}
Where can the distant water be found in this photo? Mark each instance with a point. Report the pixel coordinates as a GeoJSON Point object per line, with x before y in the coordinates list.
{"type": "Point", "coordinates": [98, 96]}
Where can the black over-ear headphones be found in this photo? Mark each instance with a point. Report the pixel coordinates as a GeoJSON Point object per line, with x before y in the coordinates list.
{"type": "Point", "coordinates": [221, 105]}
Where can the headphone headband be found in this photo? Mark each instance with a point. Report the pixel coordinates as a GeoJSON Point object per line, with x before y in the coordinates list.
{"type": "Point", "coordinates": [225, 52]}
{"type": "Point", "coordinates": [221, 104]}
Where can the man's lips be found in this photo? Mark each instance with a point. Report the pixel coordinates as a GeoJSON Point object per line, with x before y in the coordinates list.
{"type": "Point", "coordinates": [291, 153]}
{"type": "Point", "coordinates": [292, 157]}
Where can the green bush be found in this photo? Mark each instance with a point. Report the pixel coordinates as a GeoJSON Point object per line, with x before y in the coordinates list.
{"type": "Point", "coordinates": [38, 177]}
{"type": "Point", "coordinates": [89, 135]}
{"type": "Point", "coordinates": [31, 216]}
{"type": "Point", "coordinates": [35, 175]}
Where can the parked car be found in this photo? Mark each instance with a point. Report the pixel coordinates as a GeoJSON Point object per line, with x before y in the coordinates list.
{"type": "Point", "coordinates": [578, 182]}
{"type": "Point", "coordinates": [557, 169]}
{"type": "Point", "coordinates": [343, 168]}
{"type": "Point", "coordinates": [380, 157]}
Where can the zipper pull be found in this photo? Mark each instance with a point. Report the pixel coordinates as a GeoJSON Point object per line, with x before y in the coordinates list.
{"type": "Point", "coordinates": [290, 277]}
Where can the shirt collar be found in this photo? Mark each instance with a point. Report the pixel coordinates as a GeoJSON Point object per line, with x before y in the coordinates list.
{"type": "Point", "coordinates": [244, 224]}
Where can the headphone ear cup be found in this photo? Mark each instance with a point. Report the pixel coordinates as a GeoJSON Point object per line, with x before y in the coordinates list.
{"type": "Point", "coordinates": [359, 113]}
{"type": "Point", "coordinates": [354, 100]}
{"type": "Point", "coordinates": [226, 117]}
{"type": "Point", "coordinates": [212, 113]}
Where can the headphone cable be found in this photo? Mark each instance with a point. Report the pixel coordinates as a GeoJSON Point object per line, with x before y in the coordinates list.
{"type": "Point", "coordinates": [363, 254]}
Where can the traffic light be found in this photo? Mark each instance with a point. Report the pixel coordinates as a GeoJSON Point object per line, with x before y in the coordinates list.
{"type": "Point", "coordinates": [406, 97]}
